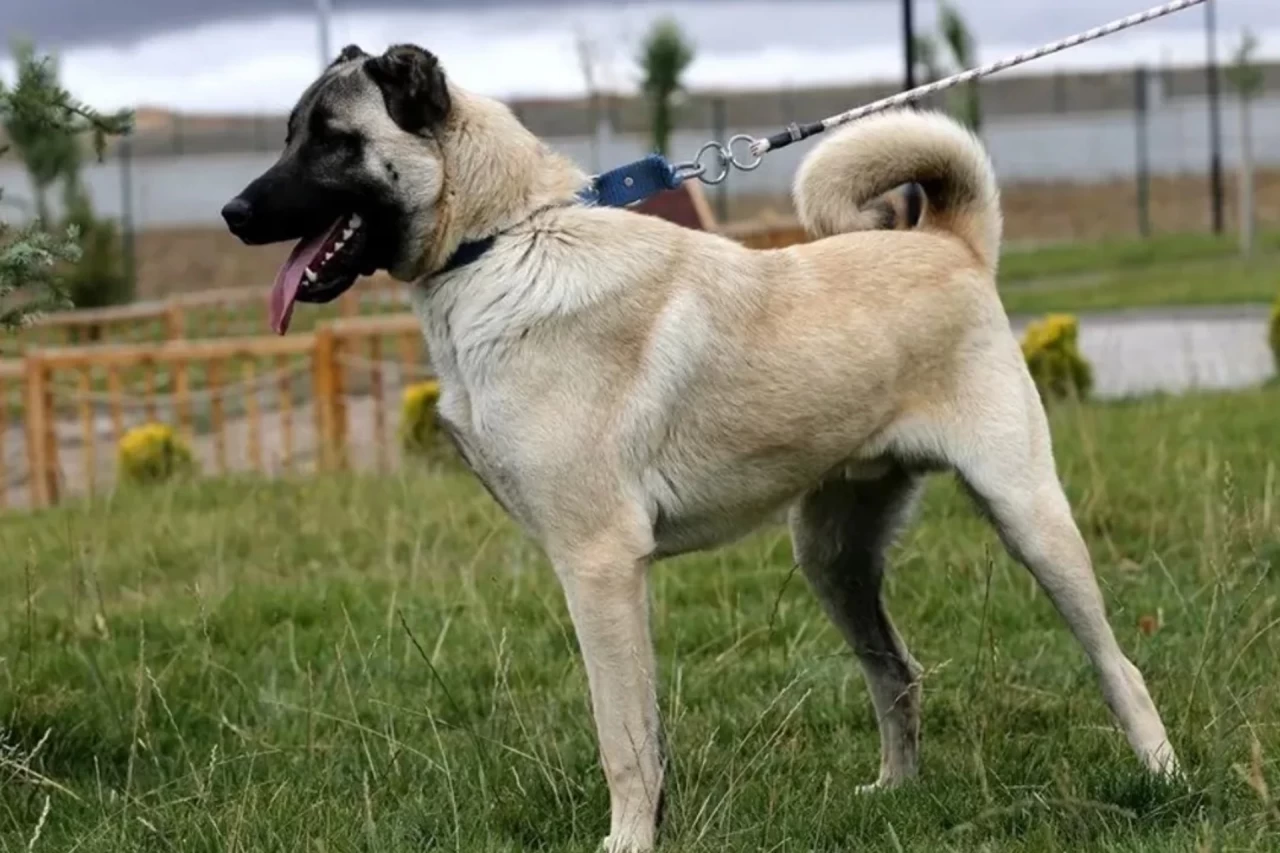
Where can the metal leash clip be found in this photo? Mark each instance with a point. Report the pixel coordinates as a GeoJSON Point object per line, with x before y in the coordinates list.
{"type": "Point", "coordinates": [724, 159]}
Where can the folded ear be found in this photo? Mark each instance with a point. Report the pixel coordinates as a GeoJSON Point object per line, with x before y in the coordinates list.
{"type": "Point", "coordinates": [413, 86]}
{"type": "Point", "coordinates": [350, 52]}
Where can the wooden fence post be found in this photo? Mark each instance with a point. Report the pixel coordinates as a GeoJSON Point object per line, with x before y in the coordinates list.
{"type": "Point", "coordinates": [42, 443]}
{"type": "Point", "coordinates": [331, 410]}
{"type": "Point", "coordinates": [175, 321]}
{"type": "Point", "coordinates": [349, 303]}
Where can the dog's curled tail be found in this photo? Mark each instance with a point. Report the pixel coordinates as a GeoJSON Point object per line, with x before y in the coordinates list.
{"type": "Point", "coordinates": [839, 179]}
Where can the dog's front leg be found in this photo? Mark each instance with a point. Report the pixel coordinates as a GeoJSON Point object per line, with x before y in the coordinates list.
{"type": "Point", "coordinates": [607, 598]}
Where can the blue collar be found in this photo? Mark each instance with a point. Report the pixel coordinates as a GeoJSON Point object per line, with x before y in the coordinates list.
{"type": "Point", "coordinates": [620, 187]}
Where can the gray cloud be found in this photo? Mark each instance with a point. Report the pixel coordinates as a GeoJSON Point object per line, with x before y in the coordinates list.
{"type": "Point", "coordinates": [65, 23]}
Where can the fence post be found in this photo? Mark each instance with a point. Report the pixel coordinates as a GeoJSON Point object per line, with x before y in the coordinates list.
{"type": "Point", "coordinates": [42, 444]}
{"type": "Point", "coordinates": [331, 410]}
{"type": "Point", "coordinates": [175, 320]}
{"type": "Point", "coordinates": [349, 303]}
{"type": "Point", "coordinates": [1141, 152]}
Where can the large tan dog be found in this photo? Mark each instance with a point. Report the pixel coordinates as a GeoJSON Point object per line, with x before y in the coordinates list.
{"type": "Point", "coordinates": [629, 389]}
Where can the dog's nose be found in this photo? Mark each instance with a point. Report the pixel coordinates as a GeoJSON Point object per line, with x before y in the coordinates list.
{"type": "Point", "coordinates": [237, 213]}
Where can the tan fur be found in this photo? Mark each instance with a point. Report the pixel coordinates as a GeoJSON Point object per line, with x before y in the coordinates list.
{"type": "Point", "coordinates": [629, 389]}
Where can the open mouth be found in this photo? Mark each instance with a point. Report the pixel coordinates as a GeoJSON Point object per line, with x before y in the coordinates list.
{"type": "Point", "coordinates": [321, 268]}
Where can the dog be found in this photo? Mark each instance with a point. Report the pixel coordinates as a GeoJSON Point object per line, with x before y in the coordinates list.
{"type": "Point", "coordinates": [630, 390]}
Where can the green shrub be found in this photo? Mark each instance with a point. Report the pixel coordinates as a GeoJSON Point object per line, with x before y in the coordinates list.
{"type": "Point", "coordinates": [152, 453]}
{"type": "Point", "coordinates": [419, 432]}
{"type": "Point", "coordinates": [1051, 348]}
{"type": "Point", "coordinates": [98, 278]}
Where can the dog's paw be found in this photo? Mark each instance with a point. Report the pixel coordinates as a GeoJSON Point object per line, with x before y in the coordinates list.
{"type": "Point", "coordinates": [624, 844]}
{"type": "Point", "coordinates": [884, 783]}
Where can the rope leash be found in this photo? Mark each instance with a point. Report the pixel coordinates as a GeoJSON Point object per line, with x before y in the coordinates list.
{"type": "Point", "coordinates": [745, 153]}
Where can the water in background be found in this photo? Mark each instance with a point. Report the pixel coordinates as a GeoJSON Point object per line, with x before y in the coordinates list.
{"type": "Point", "coordinates": [1076, 147]}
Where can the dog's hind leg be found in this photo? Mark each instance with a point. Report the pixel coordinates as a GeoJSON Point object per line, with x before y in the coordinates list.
{"type": "Point", "coordinates": [605, 586]}
{"type": "Point", "coordinates": [839, 533]}
{"type": "Point", "coordinates": [1000, 446]}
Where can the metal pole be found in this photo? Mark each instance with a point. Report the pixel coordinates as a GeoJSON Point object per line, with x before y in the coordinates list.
{"type": "Point", "coordinates": [324, 9]}
{"type": "Point", "coordinates": [908, 45]}
{"type": "Point", "coordinates": [126, 209]}
{"type": "Point", "coordinates": [1215, 118]}
{"type": "Point", "coordinates": [1141, 157]}
{"type": "Point", "coordinates": [719, 124]}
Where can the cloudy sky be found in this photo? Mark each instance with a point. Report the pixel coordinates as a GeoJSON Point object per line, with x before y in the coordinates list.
{"type": "Point", "coordinates": [256, 55]}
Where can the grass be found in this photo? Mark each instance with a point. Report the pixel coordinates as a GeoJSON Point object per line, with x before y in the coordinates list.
{"type": "Point", "coordinates": [357, 663]}
{"type": "Point", "coordinates": [1170, 270]}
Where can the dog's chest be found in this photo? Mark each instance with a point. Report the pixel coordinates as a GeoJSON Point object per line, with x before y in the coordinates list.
{"type": "Point", "coordinates": [480, 444]}
{"type": "Point", "coordinates": [480, 452]}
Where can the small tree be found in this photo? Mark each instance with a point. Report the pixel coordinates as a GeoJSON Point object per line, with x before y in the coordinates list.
{"type": "Point", "coordinates": [45, 128]}
{"type": "Point", "coordinates": [961, 48]}
{"type": "Point", "coordinates": [1246, 78]}
{"type": "Point", "coordinates": [97, 278]}
{"type": "Point", "coordinates": [48, 152]}
{"type": "Point", "coordinates": [588, 60]}
{"type": "Point", "coordinates": [29, 256]}
{"type": "Point", "coordinates": [665, 56]}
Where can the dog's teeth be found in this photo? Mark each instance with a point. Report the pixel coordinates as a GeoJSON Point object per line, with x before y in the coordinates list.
{"type": "Point", "coordinates": [311, 275]}
{"type": "Point", "coordinates": [328, 257]}
{"type": "Point", "coordinates": [346, 235]}
{"type": "Point", "coordinates": [338, 245]}
{"type": "Point", "coordinates": [355, 220]}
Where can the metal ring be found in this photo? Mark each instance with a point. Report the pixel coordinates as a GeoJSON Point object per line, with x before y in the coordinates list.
{"type": "Point", "coordinates": [744, 165]}
{"type": "Point", "coordinates": [685, 171]}
{"type": "Point", "coordinates": [723, 160]}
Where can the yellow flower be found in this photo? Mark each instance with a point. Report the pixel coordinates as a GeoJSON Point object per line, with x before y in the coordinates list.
{"type": "Point", "coordinates": [1053, 356]}
{"type": "Point", "coordinates": [418, 431]}
{"type": "Point", "coordinates": [153, 452]}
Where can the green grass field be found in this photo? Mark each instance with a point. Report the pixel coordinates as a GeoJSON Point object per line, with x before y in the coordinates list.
{"type": "Point", "coordinates": [366, 664]}
{"type": "Point", "coordinates": [1168, 270]}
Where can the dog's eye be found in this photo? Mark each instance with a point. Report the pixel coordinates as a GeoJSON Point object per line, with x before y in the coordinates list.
{"type": "Point", "coordinates": [318, 124]}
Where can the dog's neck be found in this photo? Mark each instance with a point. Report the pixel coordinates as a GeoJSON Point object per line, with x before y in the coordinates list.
{"type": "Point", "coordinates": [497, 174]}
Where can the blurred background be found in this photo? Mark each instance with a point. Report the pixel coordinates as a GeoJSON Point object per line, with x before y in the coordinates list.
{"type": "Point", "coordinates": [1132, 135]}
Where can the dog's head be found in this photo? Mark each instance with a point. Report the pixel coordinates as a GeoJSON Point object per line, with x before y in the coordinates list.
{"type": "Point", "coordinates": [359, 179]}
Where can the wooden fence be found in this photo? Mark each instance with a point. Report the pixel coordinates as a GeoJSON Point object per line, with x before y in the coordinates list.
{"type": "Point", "coordinates": [311, 401]}
{"type": "Point", "coordinates": [232, 312]}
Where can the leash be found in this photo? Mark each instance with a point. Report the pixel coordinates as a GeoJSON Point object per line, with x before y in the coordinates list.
{"type": "Point", "coordinates": [714, 160]}
{"type": "Point", "coordinates": [795, 133]}
{"type": "Point", "coordinates": [634, 182]}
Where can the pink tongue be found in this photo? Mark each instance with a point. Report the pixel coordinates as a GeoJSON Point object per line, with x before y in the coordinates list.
{"type": "Point", "coordinates": [289, 279]}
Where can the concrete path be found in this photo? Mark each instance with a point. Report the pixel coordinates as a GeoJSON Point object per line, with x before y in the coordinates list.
{"type": "Point", "coordinates": [1174, 349]}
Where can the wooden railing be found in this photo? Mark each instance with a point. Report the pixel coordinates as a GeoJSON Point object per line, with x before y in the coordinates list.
{"type": "Point", "coordinates": [196, 386]}
{"type": "Point", "coordinates": [242, 311]}
{"type": "Point", "coordinates": [204, 314]}
{"type": "Point", "coordinates": [319, 400]}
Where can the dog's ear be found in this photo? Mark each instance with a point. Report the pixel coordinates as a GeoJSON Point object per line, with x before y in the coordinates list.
{"type": "Point", "coordinates": [350, 52]}
{"type": "Point", "coordinates": [413, 86]}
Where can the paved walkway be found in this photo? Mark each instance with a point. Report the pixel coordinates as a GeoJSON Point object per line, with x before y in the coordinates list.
{"type": "Point", "coordinates": [1174, 349]}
